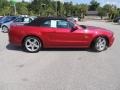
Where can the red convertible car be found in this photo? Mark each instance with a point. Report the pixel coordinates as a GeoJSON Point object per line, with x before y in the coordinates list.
{"type": "Point", "coordinates": [51, 32]}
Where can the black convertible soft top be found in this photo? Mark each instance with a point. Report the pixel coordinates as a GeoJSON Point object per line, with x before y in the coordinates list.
{"type": "Point", "coordinates": [38, 21]}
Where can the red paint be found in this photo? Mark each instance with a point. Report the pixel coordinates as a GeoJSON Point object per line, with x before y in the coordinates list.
{"type": "Point", "coordinates": [59, 37]}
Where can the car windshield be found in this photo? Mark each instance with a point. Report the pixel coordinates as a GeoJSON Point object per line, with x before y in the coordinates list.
{"type": "Point", "coordinates": [1, 18]}
{"type": "Point", "coordinates": [7, 18]}
{"type": "Point", "coordinates": [75, 24]}
{"type": "Point", "coordinates": [82, 26]}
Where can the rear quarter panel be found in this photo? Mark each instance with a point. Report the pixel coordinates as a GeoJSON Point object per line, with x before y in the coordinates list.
{"type": "Point", "coordinates": [40, 32]}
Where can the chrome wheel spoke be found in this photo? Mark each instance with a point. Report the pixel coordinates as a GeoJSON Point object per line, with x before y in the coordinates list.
{"type": "Point", "coordinates": [32, 48]}
{"type": "Point", "coordinates": [36, 45]}
{"type": "Point", "coordinates": [35, 41]}
{"type": "Point", "coordinates": [29, 46]}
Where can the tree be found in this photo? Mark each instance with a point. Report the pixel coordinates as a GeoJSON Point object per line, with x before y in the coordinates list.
{"type": "Point", "coordinates": [101, 12]}
{"type": "Point", "coordinates": [4, 7]}
{"type": "Point", "coordinates": [37, 6]}
{"type": "Point", "coordinates": [83, 9]}
{"type": "Point", "coordinates": [22, 8]}
{"type": "Point", "coordinates": [111, 11]}
{"type": "Point", "coordinates": [68, 8]}
{"type": "Point", "coordinates": [94, 5]}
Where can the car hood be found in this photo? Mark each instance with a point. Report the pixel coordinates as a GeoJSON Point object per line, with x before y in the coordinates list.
{"type": "Point", "coordinates": [8, 23]}
{"type": "Point", "coordinates": [99, 29]}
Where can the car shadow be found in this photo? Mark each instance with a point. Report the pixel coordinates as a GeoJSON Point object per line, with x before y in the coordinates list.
{"type": "Point", "coordinates": [64, 49]}
{"type": "Point", "coordinates": [116, 23]}
{"type": "Point", "coordinates": [16, 48]}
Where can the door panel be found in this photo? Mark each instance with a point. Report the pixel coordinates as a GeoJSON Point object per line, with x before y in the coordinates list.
{"type": "Point", "coordinates": [64, 37]}
{"type": "Point", "coordinates": [48, 35]}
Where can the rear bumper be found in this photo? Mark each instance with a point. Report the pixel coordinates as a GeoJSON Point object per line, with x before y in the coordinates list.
{"type": "Point", "coordinates": [15, 38]}
{"type": "Point", "coordinates": [14, 41]}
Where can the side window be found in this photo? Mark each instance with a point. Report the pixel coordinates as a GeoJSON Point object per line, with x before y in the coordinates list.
{"type": "Point", "coordinates": [62, 24]}
{"type": "Point", "coordinates": [50, 23]}
{"type": "Point", "coordinates": [47, 23]}
{"type": "Point", "coordinates": [53, 23]}
{"type": "Point", "coordinates": [13, 18]}
{"type": "Point", "coordinates": [26, 20]}
{"type": "Point", "coordinates": [30, 20]}
{"type": "Point", "coordinates": [71, 25]}
{"type": "Point", "coordinates": [19, 20]}
{"type": "Point", "coordinates": [56, 24]}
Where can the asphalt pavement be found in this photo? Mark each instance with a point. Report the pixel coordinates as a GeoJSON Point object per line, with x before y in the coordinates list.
{"type": "Point", "coordinates": [61, 69]}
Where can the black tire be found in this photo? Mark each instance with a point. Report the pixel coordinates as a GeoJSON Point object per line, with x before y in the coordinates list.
{"type": "Point", "coordinates": [5, 29]}
{"type": "Point", "coordinates": [37, 42]}
{"type": "Point", "coordinates": [100, 47]}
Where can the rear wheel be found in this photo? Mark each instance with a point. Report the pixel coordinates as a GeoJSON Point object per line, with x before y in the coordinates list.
{"type": "Point", "coordinates": [32, 44]}
{"type": "Point", "coordinates": [5, 29]}
{"type": "Point", "coordinates": [100, 44]}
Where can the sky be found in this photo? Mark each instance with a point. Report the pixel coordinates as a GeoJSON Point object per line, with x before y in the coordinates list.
{"type": "Point", "coordinates": [102, 2]}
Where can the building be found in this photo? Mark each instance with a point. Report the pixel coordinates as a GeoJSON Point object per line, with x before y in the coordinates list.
{"type": "Point", "coordinates": [92, 13]}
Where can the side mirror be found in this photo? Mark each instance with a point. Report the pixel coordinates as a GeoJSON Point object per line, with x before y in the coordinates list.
{"type": "Point", "coordinates": [74, 28]}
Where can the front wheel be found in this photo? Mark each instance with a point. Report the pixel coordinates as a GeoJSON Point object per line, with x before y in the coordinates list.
{"type": "Point", "coordinates": [32, 44]}
{"type": "Point", "coordinates": [100, 44]}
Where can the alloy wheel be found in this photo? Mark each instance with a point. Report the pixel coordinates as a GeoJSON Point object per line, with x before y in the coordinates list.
{"type": "Point", "coordinates": [5, 29]}
{"type": "Point", "coordinates": [101, 44]}
{"type": "Point", "coordinates": [32, 44]}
